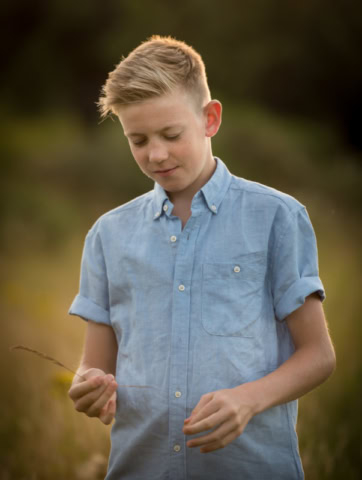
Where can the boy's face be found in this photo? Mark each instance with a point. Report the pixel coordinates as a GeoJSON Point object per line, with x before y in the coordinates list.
{"type": "Point", "coordinates": [169, 139]}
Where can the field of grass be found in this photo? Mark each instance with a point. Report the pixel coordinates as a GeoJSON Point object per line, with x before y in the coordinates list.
{"type": "Point", "coordinates": [48, 203]}
{"type": "Point", "coordinates": [43, 438]}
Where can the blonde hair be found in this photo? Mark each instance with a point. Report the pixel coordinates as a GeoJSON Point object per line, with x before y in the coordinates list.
{"type": "Point", "coordinates": [156, 67]}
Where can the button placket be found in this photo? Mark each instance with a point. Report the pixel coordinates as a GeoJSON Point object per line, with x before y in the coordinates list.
{"type": "Point", "coordinates": [184, 261]}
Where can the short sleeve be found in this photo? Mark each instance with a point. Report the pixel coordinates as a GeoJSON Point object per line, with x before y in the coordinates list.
{"type": "Point", "coordinates": [295, 265]}
{"type": "Point", "coordinates": [92, 301]}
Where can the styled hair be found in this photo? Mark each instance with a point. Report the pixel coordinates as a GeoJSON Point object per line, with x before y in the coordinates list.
{"type": "Point", "coordinates": [156, 67]}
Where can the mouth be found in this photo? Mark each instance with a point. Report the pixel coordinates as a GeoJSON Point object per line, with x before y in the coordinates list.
{"type": "Point", "coordinates": [165, 172]}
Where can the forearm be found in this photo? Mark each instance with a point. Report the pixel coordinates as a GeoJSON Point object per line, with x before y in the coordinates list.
{"type": "Point", "coordinates": [95, 393]}
{"type": "Point", "coordinates": [100, 349]}
{"type": "Point", "coordinates": [227, 412]}
{"type": "Point", "coordinates": [306, 369]}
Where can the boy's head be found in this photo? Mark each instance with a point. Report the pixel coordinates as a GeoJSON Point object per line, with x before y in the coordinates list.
{"type": "Point", "coordinates": [158, 66]}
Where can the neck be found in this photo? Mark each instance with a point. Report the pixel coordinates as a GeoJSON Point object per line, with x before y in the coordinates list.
{"type": "Point", "coordinates": [182, 200]}
{"type": "Point", "coordinates": [185, 197]}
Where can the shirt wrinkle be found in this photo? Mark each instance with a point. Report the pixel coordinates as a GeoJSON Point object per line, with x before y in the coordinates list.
{"type": "Point", "coordinates": [196, 310]}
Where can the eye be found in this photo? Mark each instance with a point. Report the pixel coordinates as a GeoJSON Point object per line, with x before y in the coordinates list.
{"type": "Point", "coordinates": [138, 143]}
{"type": "Point", "coordinates": [172, 138]}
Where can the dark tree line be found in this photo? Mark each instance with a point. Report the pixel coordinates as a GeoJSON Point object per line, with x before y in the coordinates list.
{"type": "Point", "coordinates": [298, 58]}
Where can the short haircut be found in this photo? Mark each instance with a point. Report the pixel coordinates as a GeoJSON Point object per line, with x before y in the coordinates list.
{"type": "Point", "coordinates": [156, 67]}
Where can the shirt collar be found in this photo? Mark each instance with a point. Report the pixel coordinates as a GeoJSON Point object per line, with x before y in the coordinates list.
{"type": "Point", "coordinates": [160, 199]}
{"type": "Point", "coordinates": [215, 189]}
{"type": "Point", "coordinates": [213, 192]}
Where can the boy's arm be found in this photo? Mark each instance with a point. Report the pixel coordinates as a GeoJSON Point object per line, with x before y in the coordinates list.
{"type": "Point", "coordinates": [228, 411]}
{"type": "Point", "coordinates": [96, 395]}
{"type": "Point", "coordinates": [100, 348]}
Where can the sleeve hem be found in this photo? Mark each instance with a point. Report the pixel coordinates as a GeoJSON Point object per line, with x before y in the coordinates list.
{"type": "Point", "coordinates": [88, 310]}
{"type": "Point", "coordinates": [296, 294]}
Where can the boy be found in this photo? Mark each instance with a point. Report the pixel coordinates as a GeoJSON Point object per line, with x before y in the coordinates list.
{"type": "Point", "coordinates": [202, 296]}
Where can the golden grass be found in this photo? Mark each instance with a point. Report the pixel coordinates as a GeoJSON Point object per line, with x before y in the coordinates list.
{"type": "Point", "coordinates": [43, 437]}
{"type": "Point", "coordinates": [45, 356]}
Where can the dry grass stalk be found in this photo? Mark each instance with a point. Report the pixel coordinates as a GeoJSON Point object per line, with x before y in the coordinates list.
{"type": "Point", "coordinates": [44, 356]}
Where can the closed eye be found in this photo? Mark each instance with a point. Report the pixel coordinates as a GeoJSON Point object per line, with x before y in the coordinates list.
{"type": "Point", "coordinates": [172, 138]}
{"type": "Point", "coordinates": [138, 143]}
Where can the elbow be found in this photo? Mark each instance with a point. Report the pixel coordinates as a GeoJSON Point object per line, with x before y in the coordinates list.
{"type": "Point", "coordinates": [329, 363]}
{"type": "Point", "coordinates": [333, 362]}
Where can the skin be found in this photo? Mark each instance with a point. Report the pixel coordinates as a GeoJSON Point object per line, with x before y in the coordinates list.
{"type": "Point", "coordinates": [177, 138]}
{"type": "Point", "coordinates": [174, 149]}
{"type": "Point", "coordinates": [227, 412]}
{"type": "Point", "coordinates": [96, 396]}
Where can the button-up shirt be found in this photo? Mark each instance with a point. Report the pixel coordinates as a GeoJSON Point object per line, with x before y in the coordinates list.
{"type": "Point", "coordinates": [194, 310]}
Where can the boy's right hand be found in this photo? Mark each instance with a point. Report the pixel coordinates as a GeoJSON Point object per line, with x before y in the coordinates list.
{"type": "Point", "coordinates": [96, 395]}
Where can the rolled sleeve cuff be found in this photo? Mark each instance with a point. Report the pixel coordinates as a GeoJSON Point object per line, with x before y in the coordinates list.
{"type": "Point", "coordinates": [88, 310]}
{"type": "Point", "coordinates": [295, 296]}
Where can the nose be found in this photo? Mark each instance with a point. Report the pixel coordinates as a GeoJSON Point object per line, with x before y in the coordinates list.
{"type": "Point", "coordinates": [157, 153]}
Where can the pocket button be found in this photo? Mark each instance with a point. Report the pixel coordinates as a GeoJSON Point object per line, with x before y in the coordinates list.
{"type": "Point", "coordinates": [236, 269]}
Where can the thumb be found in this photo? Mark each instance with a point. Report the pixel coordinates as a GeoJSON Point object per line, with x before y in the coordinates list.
{"type": "Point", "coordinates": [109, 410]}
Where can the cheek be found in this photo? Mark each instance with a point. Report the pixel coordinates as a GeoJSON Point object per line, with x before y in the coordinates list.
{"type": "Point", "coordinates": [185, 149]}
{"type": "Point", "coordinates": [138, 159]}
{"type": "Point", "coordinates": [136, 154]}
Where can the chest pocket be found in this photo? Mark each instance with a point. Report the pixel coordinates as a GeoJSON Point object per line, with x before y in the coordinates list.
{"type": "Point", "coordinates": [232, 295]}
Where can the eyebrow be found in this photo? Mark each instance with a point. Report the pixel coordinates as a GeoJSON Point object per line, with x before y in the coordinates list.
{"type": "Point", "coordinates": [163, 130]}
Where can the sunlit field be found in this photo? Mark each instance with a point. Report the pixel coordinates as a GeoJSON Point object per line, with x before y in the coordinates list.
{"type": "Point", "coordinates": [43, 438]}
{"type": "Point", "coordinates": [60, 179]}
{"type": "Point", "coordinates": [288, 75]}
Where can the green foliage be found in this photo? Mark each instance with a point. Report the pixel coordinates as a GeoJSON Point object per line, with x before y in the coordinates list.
{"type": "Point", "coordinates": [288, 75]}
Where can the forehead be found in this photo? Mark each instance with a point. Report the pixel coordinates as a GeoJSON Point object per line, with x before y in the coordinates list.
{"type": "Point", "coordinates": [158, 113]}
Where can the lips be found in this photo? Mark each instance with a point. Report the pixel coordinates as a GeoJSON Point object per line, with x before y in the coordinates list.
{"type": "Point", "coordinates": [165, 172]}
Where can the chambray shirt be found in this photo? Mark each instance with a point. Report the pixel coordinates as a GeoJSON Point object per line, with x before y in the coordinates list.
{"type": "Point", "coordinates": [196, 310]}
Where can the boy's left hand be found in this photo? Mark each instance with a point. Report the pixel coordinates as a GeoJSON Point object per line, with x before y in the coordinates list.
{"type": "Point", "coordinates": [225, 412]}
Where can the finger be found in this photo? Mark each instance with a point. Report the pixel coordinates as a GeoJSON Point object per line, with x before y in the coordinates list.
{"type": "Point", "coordinates": [215, 436]}
{"type": "Point", "coordinates": [204, 400]}
{"type": "Point", "coordinates": [83, 403]}
{"type": "Point", "coordinates": [81, 389]}
{"type": "Point", "coordinates": [210, 408]}
{"type": "Point", "coordinates": [211, 421]}
{"type": "Point", "coordinates": [221, 443]}
{"type": "Point", "coordinates": [109, 410]}
{"type": "Point", "coordinates": [94, 410]}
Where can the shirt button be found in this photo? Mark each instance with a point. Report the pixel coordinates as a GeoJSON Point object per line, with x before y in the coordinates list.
{"type": "Point", "coordinates": [177, 448]}
{"type": "Point", "coordinates": [213, 208]}
{"type": "Point", "coordinates": [181, 288]}
{"type": "Point", "coordinates": [177, 394]}
{"type": "Point", "coordinates": [173, 238]}
{"type": "Point", "coordinates": [157, 214]}
{"type": "Point", "coordinates": [236, 269]}
{"type": "Point", "coordinates": [165, 208]}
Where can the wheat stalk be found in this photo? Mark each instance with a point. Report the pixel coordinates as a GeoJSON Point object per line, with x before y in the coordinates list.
{"type": "Point", "coordinates": [44, 356]}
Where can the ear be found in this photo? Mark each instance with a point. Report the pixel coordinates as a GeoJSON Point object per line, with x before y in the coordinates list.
{"type": "Point", "coordinates": [212, 112]}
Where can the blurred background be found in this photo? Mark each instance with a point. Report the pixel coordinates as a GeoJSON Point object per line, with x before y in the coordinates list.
{"type": "Point", "coordinates": [289, 77]}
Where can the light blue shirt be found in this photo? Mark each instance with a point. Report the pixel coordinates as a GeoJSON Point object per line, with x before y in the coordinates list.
{"type": "Point", "coordinates": [196, 310]}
